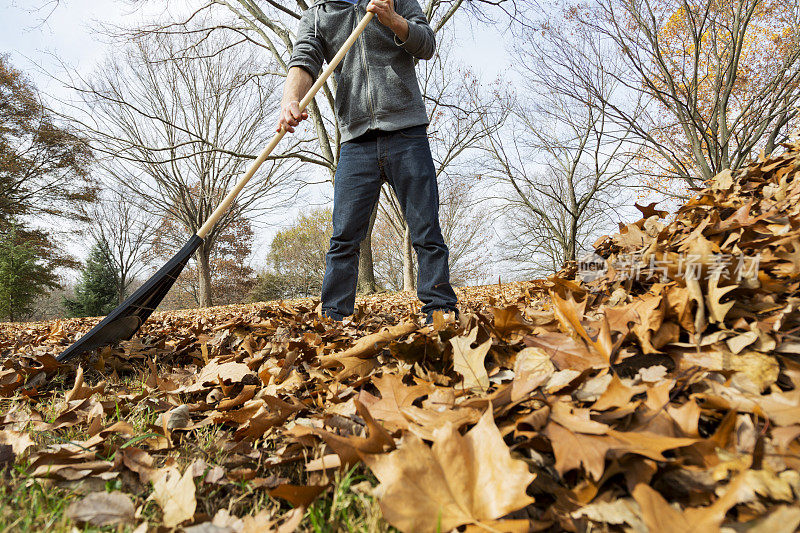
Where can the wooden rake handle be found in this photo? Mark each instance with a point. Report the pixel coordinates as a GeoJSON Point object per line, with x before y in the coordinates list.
{"type": "Point", "coordinates": [231, 196]}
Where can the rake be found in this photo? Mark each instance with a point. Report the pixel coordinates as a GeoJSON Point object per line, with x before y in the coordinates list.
{"type": "Point", "coordinates": [125, 320]}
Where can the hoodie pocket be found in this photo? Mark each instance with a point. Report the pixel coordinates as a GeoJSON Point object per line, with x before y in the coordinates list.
{"type": "Point", "coordinates": [397, 92]}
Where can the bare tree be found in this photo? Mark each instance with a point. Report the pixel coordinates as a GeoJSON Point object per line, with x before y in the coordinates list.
{"type": "Point", "coordinates": [563, 168]}
{"type": "Point", "coordinates": [466, 229]}
{"type": "Point", "coordinates": [269, 28]}
{"type": "Point", "coordinates": [702, 86]}
{"type": "Point", "coordinates": [147, 110]}
{"type": "Point", "coordinates": [125, 230]}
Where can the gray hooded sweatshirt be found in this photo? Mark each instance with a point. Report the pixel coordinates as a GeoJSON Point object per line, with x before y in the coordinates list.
{"type": "Point", "coordinates": [376, 83]}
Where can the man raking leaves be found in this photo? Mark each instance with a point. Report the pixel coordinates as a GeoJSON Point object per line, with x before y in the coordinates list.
{"type": "Point", "coordinates": [382, 121]}
{"type": "Point", "coordinates": [394, 124]}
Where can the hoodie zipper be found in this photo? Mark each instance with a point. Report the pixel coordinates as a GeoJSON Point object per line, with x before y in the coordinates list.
{"type": "Point", "coordinates": [361, 40]}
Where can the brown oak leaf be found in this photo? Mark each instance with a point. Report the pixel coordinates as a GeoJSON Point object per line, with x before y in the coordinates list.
{"type": "Point", "coordinates": [459, 480]}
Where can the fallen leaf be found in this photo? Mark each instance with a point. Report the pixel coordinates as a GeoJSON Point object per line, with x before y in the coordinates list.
{"type": "Point", "coordinates": [576, 450]}
{"type": "Point", "coordinates": [175, 494]}
{"type": "Point", "coordinates": [102, 509]}
{"type": "Point", "coordinates": [784, 519]}
{"type": "Point", "coordinates": [567, 353]}
{"type": "Point", "coordinates": [139, 461]}
{"type": "Point", "coordinates": [355, 366]}
{"type": "Point", "coordinates": [576, 419]}
{"type": "Point", "coordinates": [214, 372]}
{"type": "Point", "coordinates": [617, 512]}
{"type": "Point", "coordinates": [531, 368]}
{"type": "Point", "coordinates": [80, 391]}
{"type": "Point", "coordinates": [469, 362]}
{"type": "Point", "coordinates": [300, 496]}
{"type": "Point", "coordinates": [424, 422]}
{"type": "Point", "coordinates": [351, 449]}
{"type": "Point", "coordinates": [18, 442]}
{"type": "Point", "coordinates": [508, 320]}
{"type": "Point", "coordinates": [368, 346]}
{"type": "Point", "coordinates": [617, 394]}
{"type": "Point", "coordinates": [659, 516]}
{"type": "Point", "coordinates": [395, 395]}
{"type": "Point", "coordinates": [175, 418]}
{"type": "Point", "coordinates": [460, 480]}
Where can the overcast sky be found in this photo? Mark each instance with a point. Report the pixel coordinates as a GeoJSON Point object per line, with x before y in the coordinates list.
{"type": "Point", "coordinates": [37, 46]}
{"type": "Point", "coordinates": [68, 36]}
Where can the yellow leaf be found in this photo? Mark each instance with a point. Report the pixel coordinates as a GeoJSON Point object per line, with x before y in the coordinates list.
{"type": "Point", "coordinates": [175, 494]}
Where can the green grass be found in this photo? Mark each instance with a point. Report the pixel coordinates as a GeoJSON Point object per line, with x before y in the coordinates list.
{"type": "Point", "coordinates": [344, 509]}
{"type": "Point", "coordinates": [29, 504]}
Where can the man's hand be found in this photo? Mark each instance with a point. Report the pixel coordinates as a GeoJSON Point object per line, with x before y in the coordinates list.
{"type": "Point", "coordinates": [384, 10]}
{"type": "Point", "coordinates": [298, 82]}
{"type": "Point", "coordinates": [291, 116]}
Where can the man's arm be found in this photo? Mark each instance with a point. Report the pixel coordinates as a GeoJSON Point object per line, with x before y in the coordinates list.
{"type": "Point", "coordinates": [409, 24]}
{"type": "Point", "coordinates": [298, 82]}
{"type": "Point", "coordinates": [302, 70]}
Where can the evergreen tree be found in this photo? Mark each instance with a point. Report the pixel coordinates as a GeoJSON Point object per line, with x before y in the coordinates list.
{"type": "Point", "coordinates": [23, 276]}
{"type": "Point", "coordinates": [96, 293]}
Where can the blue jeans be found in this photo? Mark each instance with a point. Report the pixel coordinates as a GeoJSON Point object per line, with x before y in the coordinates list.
{"type": "Point", "coordinates": [403, 159]}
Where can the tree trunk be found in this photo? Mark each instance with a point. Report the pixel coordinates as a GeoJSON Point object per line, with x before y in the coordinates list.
{"type": "Point", "coordinates": [408, 261]}
{"type": "Point", "coordinates": [572, 247]}
{"type": "Point", "coordinates": [204, 274]}
{"type": "Point", "coordinates": [121, 288]}
{"type": "Point", "coordinates": [366, 270]}
{"type": "Point", "coordinates": [11, 293]}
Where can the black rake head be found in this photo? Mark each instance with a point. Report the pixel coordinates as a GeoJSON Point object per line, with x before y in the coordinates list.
{"type": "Point", "coordinates": [126, 319]}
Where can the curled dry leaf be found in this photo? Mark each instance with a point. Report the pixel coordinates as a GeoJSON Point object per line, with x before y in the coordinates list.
{"type": "Point", "coordinates": [18, 442]}
{"type": "Point", "coordinates": [214, 372]}
{"type": "Point", "coordinates": [370, 345]}
{"type": "Point", "coordinates": [80, 390]}
{"type": "Point", "coordinates": [351, 449]}
{"type": "Point", "coordinates": [139, 461]}
{"type": "Point", "coordinates": [175, 418]}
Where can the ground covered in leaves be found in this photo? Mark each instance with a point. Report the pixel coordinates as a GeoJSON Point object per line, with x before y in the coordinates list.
{"type": "Point", "coordinates": [663, 395]}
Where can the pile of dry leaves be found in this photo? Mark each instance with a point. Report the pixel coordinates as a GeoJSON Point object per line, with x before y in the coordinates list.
{"type": "Point", "coordinates": [663, 395]}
